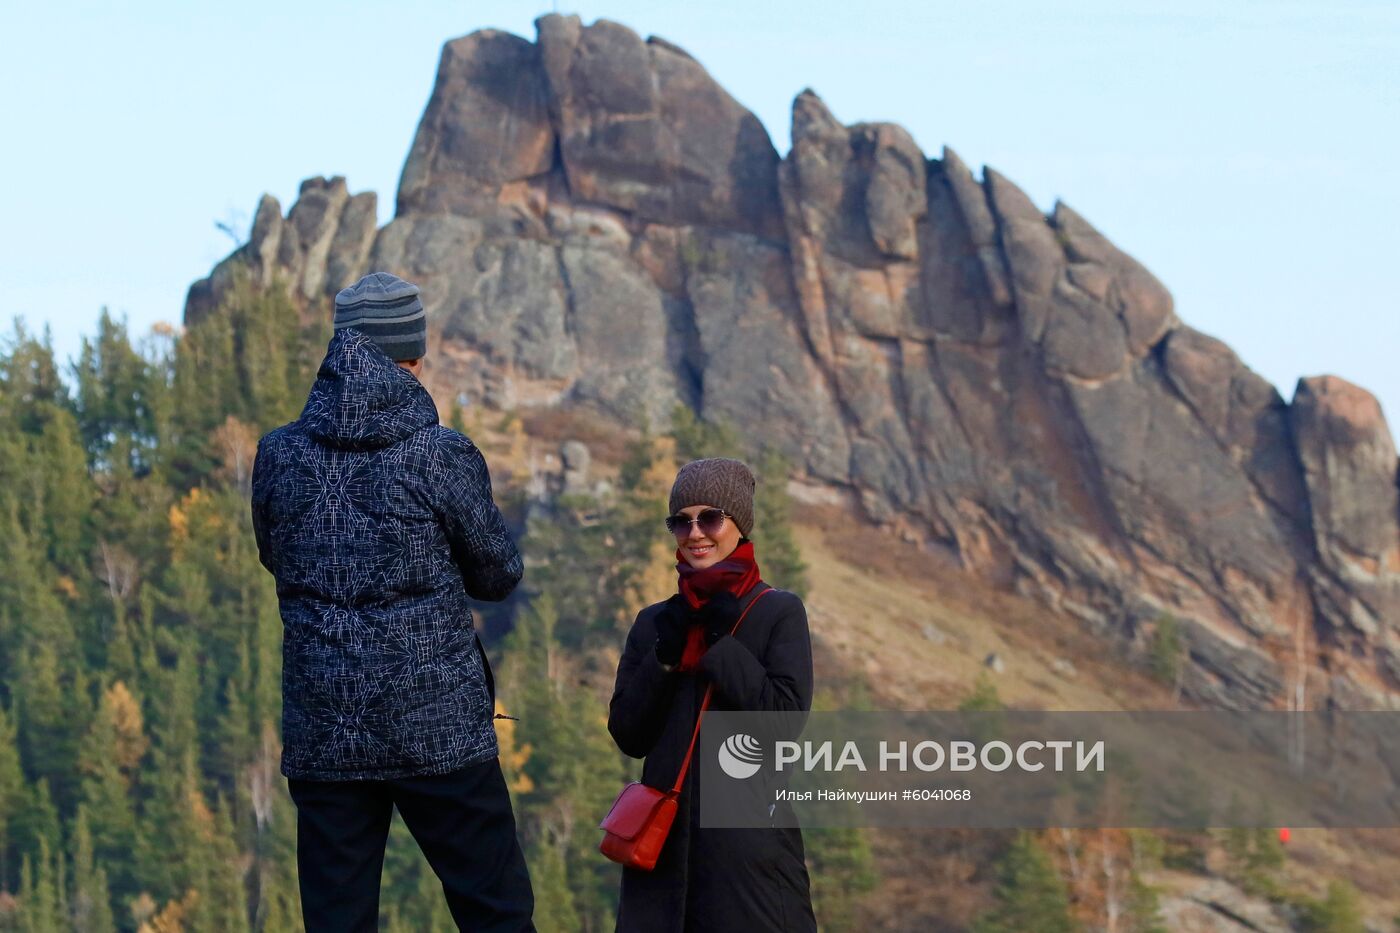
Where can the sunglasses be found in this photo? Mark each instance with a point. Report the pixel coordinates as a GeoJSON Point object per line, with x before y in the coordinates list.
{"type": "Point", "coordinates": [709, 520]}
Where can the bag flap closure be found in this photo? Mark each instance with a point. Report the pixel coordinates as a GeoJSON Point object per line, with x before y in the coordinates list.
{"type": "Point", "coordinates": [632, 810]}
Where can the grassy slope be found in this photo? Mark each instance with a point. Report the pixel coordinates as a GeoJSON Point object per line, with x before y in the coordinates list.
{"type": "Point", "coordinates": [872, 598]}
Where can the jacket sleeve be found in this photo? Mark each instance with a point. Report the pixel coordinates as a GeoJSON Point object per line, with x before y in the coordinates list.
{"type": "Point", "coordinates": [482, 546]}
{"type": "Point", "coordinates": [262, 492]}
{"type": "Point", "coordinates": [780, 680]}
{"type": "Point", "coordinates": [642, 695]}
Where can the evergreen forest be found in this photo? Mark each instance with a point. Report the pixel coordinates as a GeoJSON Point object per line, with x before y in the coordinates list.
{"type": "Point", "coordinates": [140, 640]}
{"type": "Point", "coordinates": [140, 647]}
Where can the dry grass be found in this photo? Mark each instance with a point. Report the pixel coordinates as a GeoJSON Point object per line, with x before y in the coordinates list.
{"type": "Point", "coordinates": [872, 598]}
{"type": "Point", "coordinates": [872, 595]}
{"type": "Point", "coordinates": [551, 427]}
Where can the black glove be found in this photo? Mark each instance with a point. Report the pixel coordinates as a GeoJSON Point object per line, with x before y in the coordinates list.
{"type": "Point", "coordinates": [718, 615]}
{"type": "Point", "coordinates": [671, 624]}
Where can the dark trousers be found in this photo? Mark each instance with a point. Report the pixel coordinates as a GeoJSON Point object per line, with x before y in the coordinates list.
{"type": "Point", "coordinates": [463, 823]}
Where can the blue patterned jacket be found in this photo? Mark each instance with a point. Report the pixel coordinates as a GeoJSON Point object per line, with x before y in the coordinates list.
{"type": "Point", "coordinates": [378, 524]}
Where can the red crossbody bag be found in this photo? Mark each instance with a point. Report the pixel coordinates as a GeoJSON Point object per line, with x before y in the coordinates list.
{"type": "Point", "coordinates": [636, 827]}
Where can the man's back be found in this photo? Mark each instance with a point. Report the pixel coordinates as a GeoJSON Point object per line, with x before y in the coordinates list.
{"type": "Point", "coordinates": [378, 523]}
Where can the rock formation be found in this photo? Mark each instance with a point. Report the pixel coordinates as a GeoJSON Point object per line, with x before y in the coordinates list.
{"type": "Point", "coordinates": [594, 221]}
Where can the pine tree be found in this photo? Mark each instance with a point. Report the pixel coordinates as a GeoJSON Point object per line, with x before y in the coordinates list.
{"type": "Point", "coordinates": [1254, 855]}
{"type": "Point", "coordinates": [53, 712]}
{"type": "Point", "coordinates": [13, 795]}
{"type": "Point", "coordinates": [208, 593]}
{"type": "Point", "coordinates": [262, 320]}
{"type": "Point", "coordinates": [234, 745]}
{"type": "Point", "coordinates": [158, 349]}
{"type": "Point", "coordinates": [68, 492]}
{"type": "Point", "coordinates": [191, 831]}
{"type": "Point", "coordinates": [204, 389]}
{"type": "Point", "coordinates": [773, 537]}
{"type": "Point", "coordinates": [35, 828]}
{"type": "Point", "coordinates": [30, 385]}
{"type": "Point", "coordinates": [1144, 907]}
{"type": "Point", "coordinates": [554, 903]}
{"type": "Point", "coordinates": [1030, 894]}
{"type": "Point", "coordinates": [696, 438]}
{"type": "Point", "coordinates": [41, 897]}
{"type": "Point", "coordinates": [279, 908]}
{"type": "Point", "coordinates": [217, 874]}
{"type": "Point", "coordinates": [645, 551]}
{"type": "Point", "coordinates": [114, 389]}
{"type": "Point", "coordinates": [131, 537]}
{"type": "Point", "coordinates": [843, 870]}
{"type": "Point", "coordinates": [175, 730]}
{"type": "Point", "coordinates": [595, 776]}
{"type": "Point", "coordinates": [28, 589]}
{"type": "Point", "coordinates": [984, 710]}
{"type": "Point", "coordinates": [571, 546]}
{"type": "Point", "coordinates": [91, 900]}
{"type": "Point", "coordinates": [1339, 912]}
{"type": "Point", "coordinates": [1267, 852]}
{"type": "Point", "coordinates": [1167, 651]}
{"type": "Point", "coordinates": [983, 698]}
{"type": "Point", "coordinates": [86, 485]}
{"type": "Point", "coordinates": [572, 766]}
{"type": "Point", "coordinates": [121, 650]}
{"type": "Point", "coordinates": [457, 417]}
{"type": "Point", "coordinates": [265, 698]}
{"type": "Point", "coordinates": [174, 821]}
{"type": "Point", "coordinates": [110, 756]}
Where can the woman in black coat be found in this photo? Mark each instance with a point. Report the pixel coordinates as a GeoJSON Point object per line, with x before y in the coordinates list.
{"type": "Point", "coordinates": [712, 880]}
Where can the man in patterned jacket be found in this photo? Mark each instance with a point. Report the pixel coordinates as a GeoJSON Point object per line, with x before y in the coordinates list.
{"type": "Point", "coordinates": [378, 524]}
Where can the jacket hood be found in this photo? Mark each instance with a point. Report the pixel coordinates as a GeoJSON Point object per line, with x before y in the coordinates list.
{"type": "Point", "coordinates": [362, 400]}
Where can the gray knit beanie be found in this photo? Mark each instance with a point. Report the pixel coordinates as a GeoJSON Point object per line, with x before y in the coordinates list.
{"type": "Point", "coordinates": [720, 482]}
{"type": "Point", "coordinates": [387, 310]}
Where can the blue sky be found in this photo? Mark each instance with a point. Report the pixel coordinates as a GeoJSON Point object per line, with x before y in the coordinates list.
{"type": "Point", "coordinates": [1247, 152]}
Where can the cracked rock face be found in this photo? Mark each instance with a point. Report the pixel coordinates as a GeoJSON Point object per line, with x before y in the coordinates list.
{"type": "Point", "coordinates": [594, 221]}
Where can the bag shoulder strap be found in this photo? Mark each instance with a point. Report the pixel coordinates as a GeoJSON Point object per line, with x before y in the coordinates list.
{"type": "Point", "coordinates": [705, 703]}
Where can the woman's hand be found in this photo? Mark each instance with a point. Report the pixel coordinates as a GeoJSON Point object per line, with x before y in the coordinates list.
{"type": "Point", "coordinates": [671, 624]}
{"type": "Point", "coordinates": [718, 615]}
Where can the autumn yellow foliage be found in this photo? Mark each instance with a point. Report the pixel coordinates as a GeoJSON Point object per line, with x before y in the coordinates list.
{"type": "Point", "coordinates": [513, 759]}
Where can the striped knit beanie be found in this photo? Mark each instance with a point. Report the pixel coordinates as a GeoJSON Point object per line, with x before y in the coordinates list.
{"type": "Point", "coordinates": [386, 309]}
{"type": "Point", "coordinates": [720, 482]}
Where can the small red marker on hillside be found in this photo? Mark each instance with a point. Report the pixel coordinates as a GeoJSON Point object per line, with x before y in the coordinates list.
{"type": "Point", "coordinates": [1283, 835]}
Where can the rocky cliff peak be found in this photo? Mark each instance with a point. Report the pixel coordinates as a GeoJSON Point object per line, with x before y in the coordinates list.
{"type": "Point", "coordinates": [595, 221]}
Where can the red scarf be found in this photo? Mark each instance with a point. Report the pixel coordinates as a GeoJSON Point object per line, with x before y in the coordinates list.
{"type": "Point", "coordinates": [737, 573]}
